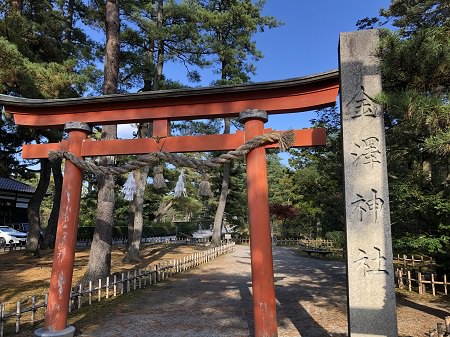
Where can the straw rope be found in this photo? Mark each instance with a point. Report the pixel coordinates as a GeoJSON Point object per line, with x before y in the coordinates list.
{"type": "Point", "coordinates": [284, 140]}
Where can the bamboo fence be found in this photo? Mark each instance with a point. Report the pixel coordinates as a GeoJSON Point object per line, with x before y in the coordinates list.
{"type": "Point", "coordinates": [28, 311]}
{"type": "Point", "coordinates": [415, 262]}
{"type": "Point", "coordinates": [418, 281]}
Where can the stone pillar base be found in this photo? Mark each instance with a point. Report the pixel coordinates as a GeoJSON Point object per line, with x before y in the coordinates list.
{"type": "Point", "coordinates": [67, 332]}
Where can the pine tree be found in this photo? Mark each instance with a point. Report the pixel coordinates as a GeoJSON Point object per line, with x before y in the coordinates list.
{"type": "Point", "coordinates": [415, 61]}
{"type": "Point", "coordinates": [100, 255]}
{"type": "Point", "coordinates": [228, 28]}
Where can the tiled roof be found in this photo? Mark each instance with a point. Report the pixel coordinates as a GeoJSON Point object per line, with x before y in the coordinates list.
{"type": "Point", "coordinates": [7, 184]}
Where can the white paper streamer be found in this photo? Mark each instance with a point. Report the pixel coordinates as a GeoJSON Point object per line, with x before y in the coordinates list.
{"type": "Point", "coordinates": [180, 190]}
{"type": "Point", "coordinates": [129, 189]}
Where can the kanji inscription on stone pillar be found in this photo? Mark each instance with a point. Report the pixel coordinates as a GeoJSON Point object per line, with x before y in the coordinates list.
{"type": "Point", "coordinates": [371, 296]}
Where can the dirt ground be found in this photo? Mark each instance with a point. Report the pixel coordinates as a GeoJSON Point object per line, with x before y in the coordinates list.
{"type": "Point", "coordinates": [311, 301]}
{"type": "Point", "coordinates": [22, 276]}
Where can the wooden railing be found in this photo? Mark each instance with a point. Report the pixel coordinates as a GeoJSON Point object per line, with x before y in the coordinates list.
{"type": "Point", "coordinates": [414, 262]}
{"type": "Point", "coordinates": [418, 281]}
{"type": "Point", "coordinates": [31, 310]}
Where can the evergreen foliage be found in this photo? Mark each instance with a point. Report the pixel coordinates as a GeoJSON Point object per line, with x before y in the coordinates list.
{"type": "Point", "coordinates": [416, 77]}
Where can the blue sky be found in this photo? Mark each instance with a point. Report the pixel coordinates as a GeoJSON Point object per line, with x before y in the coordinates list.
{"type": "Point", "coordinates": [306, 44]}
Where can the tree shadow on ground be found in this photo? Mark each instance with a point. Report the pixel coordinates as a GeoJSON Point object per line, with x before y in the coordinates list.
{"type": "Point", "coordinates": [403, 301]}
{"type": "Point", "coordinates": [208, 301]}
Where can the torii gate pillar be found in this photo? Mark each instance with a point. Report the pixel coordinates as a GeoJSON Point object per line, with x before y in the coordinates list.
{"type": "Point", "coordinates": [66, 239]}
{"type": "Point", "coordinates": [264, 305]}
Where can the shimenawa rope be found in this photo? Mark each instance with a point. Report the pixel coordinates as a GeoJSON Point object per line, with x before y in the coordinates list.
{"type": "Point", "coordinates": [284, 140]}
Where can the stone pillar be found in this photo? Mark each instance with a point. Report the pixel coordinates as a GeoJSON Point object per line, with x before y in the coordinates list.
{"type": "Point", "coordinates": [371, 295]}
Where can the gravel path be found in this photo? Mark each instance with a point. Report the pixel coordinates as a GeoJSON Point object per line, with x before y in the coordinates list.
{"type": "Point", "coordinates": [215, 300]}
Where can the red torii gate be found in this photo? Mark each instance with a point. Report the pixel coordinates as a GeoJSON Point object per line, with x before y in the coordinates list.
{"type": "Point", "coordinates": [251, 102]}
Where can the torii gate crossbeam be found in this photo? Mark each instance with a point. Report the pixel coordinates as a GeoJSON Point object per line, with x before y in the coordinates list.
{"type": "Point", "coordinates": [246, 101]}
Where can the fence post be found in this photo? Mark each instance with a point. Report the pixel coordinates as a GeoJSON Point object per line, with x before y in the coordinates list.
{"type": "Point", "coordinates": [447, 324]}
{"type": "Point", "coordinates": [107, 287]}
{"type": "Point", "coordinates": [445, 288]}
{"type": "Point", "coordinates": [99, 289]}
{"type": "Point", "coordinates": [70, 299]}
{"type": "Point", "coordinates": [408, 273]}
{"type": "Point", "coordinates": [419, 281]}
{"type": "Point", "coordinates": [33, 308]}
{"type": "Point", "coordinates": [17, 316]}
{"type": "Point", "coordinates": [80, 295]}
{"type": "Point", "coordinates": [115, 285]}
{"type": "Point", "coordinates": [90, 292]}
{"type": "Point", "coordinates": [128, 282]}
{"type": "Point", "coordinates": [440, 330]}
{"type": "Point", "coordinates": [2, 315]}
{"type": "Point", "coordinates": [433, 287]}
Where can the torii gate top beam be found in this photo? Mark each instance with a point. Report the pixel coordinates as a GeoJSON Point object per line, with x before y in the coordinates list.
{"type": "Point", "coordinates": [294, 95]}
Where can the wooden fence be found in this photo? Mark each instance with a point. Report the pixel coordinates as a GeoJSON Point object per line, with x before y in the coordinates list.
{"type": "Point", "coordinates": [418, 281]}
{"type": "Point", "coordinates": [415, 262]}
{"type": "Point", "coordinates": [153, 239]}
{"type": "Point", "coordinates": [442, 329]}
{"type": "Point", "coordinates": [116, 241]}
{"type": "Point", "coordinates": [292, 242]}
{"type": "Point", "coordinates": [28, 311]}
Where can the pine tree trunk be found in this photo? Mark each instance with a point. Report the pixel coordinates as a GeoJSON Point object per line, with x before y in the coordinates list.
{"type": "Point", "coordinates": [160, 43]}
{"type": "Point", "coordinates": [34, 206]}
{"type": "Point", "coordinates": [140, 177]}
{"type": "Point", "coordinates": [131, 212]}
{"type": "Point", "coordinates": [136, 207]}
{"type": "Point", "coordinates": [50, 232]}
{"type": "Point", "coordinates": [218, 218]}
{"type": "Point", "coordinates": [100, 255]}
{"type": "Point", "coordinates": [69, 21]}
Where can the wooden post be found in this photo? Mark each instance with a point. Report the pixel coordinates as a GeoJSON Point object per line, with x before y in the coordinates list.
{"type": "Point", "coordinates": [99, 290]}
{"type": "Point", "coordinates": [445, 285]}
{"type": "Point", "coordinates": [409, 280]}
{"type": "Point", "coordinates": [80, 295]}
{"type": "Point", "coordinates": [90, 292]}
{"type": "Point", "coordinates": [419, 282]}
{"type": "Point", "coordinates": [433, 287]}
{"type": "Point", "coordinates": [260, 242]}
{"type": "Point", "coordinates": [66, 239]}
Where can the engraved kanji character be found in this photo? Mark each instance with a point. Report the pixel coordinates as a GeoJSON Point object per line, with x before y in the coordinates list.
{"type": "Point", "coordinates": [359, 206]}
{"type": "Point", "coordinates": [380, 261]}
{"type": "Point", "coordinates": [364, 105]}
{"type": "Point", "coordinates": [361, 262]}
{"type": "Point", "coordinates": [369, 153]}
{"type": "Point", "coordinates": [375, 203]}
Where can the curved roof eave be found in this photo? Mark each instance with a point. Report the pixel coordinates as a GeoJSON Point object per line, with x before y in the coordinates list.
{"type": "Point", "coordinates": [172, 93]}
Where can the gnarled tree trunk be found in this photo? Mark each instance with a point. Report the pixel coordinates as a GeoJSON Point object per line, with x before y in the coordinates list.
{"type": "Point", "coordinates": [136, 207]}
{"type": "Point", "coordinates": [50, 232]}
{"type": "Point", "coordinates": [220, 211]}
{"type": "Point", "coordinates": [100, 256]}
{"type": "Point", "coordinates": [140, 176]}
{"type": "Point", "coordinates": [34, 206]}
